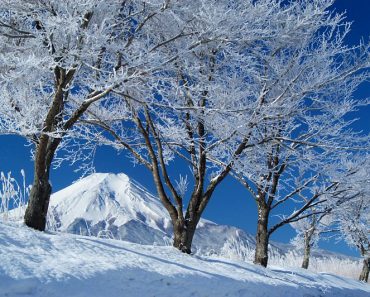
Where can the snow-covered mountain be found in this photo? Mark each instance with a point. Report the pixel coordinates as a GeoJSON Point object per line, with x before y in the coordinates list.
{"type": "Point", "coordinates": [110, 205]}
{"type": "Point", "coordinates": [115, 206]}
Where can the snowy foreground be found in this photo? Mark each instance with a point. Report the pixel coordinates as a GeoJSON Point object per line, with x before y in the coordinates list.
{"type": "Point", "coordinates": [40, 264]}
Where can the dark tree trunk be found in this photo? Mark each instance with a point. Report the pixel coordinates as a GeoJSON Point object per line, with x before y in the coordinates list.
{"type": "Point", "coordinates": [183, 235]}
{"type": "Point", "coordinates": [364, 276]}
{"type": "Point", "coordinates": [35, 216]}
{"type": "Point", "coordinates": [178, 230]}
{"type": "Point", "coordinates": [36, 212]}
{"type": "Point", "coordinates": [262, 237]}
{"type": "Point", "coordinates": [188, 238]}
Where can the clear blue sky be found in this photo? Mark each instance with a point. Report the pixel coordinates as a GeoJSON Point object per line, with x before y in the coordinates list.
{"type": "Point", "coordinates": [231, 204]}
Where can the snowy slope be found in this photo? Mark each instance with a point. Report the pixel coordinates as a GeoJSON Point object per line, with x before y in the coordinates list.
{"type": "Point", "coordinates": [115, 206]}
{"type": "Point", "coordinates": [38, 264]}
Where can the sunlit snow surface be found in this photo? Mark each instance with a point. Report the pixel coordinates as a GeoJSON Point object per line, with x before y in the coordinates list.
{"type": "Point", "coordinates": [33, 263]}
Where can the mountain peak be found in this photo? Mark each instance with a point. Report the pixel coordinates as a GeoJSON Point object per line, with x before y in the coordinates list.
{"type": "Point", "coordinates": [107, 202]}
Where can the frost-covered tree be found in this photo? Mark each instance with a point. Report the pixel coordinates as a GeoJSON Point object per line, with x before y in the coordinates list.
{"type": "Point", "coordinates": [355, 225]}
{"type": "Point", "coordinates": [306, 91]}
{"type": "Point", "coordinates": [307, 236]}
{"type": "Point", "coordinates": [319, 221]}
{"type": "Point", "coordinates": [59, 58]}
{"type": "Point", "coordinates": [205, 97]}
{"type": "Point", "coordinates": [310, 230]}
{"type": "Point", "coordinates": [246, 103]}
{"type": "Point", "coordinates": [353, 218]}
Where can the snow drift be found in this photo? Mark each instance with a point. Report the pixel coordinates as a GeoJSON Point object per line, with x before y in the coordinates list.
{"type": "Point", "coordinates": [39, 264]}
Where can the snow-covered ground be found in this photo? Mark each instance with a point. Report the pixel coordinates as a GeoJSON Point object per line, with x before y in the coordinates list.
{"type": "Point", "coordinates": [41, 264]}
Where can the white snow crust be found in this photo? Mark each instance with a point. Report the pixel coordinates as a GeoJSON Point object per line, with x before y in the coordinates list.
{"type": "Point", "coordinates": [43, 264]}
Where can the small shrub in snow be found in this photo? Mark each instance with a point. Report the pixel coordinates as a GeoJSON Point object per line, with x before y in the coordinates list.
{"type": "Point", "coordinates": [12, 196]}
